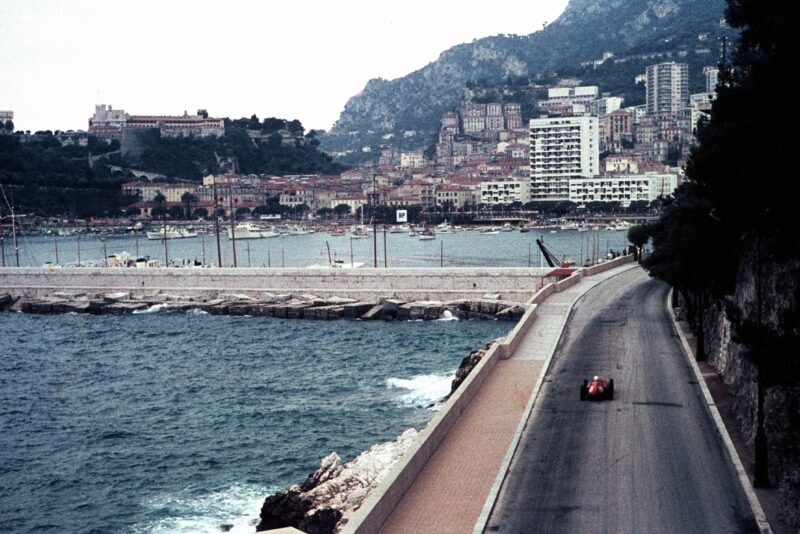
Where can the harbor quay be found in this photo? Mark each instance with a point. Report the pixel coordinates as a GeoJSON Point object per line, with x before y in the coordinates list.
{"type": "Point", "coordinates": [398, 293]}
{"type": "Point", "coordinates": [406, 283]}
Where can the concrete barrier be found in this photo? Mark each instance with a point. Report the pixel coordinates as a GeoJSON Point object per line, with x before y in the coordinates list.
{"type": "Point", "coordinates": [514, 284]}
{"type": "Point", "coordinates": [382, 501]}
{"type": "Point", "coordinates": [513, 339]}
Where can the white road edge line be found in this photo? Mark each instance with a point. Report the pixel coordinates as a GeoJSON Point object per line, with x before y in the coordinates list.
{"type": "Point", "coordinates": [744, 480]}
{"type": "Point", "coordinates": [491, 499]}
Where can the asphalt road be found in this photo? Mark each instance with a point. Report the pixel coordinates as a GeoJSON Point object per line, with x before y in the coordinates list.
{"type": "Point", "coordinates": [649, 461]}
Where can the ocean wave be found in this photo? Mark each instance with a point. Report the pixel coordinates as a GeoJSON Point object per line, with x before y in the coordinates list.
{"type": "Point", "coordinates": [447, 316]}
{"type": "Point", "coordinates": [236, 508]}
{"type": "Point", "coordinates": [422, 389]}
{"type": "Point", "coordinates": [156, 308]}
{"type": "Point", "coordinates": [196, 311]}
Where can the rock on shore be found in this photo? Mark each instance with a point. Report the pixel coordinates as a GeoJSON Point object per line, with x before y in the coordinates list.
{"type": "Point", "coordinates": [286, 306]}
{"type": "Point", "coordinates": [320, 505]}
{"type": "Point", "coordinates": [467, 365]}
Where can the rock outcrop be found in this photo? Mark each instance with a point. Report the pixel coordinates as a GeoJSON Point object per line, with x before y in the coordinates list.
{"type": "Point", "coordinates": [320, 505]}
{"type": "Point", "coordinates": [467, 365]}
{"type": "Point", "coordinates": [777, 285]}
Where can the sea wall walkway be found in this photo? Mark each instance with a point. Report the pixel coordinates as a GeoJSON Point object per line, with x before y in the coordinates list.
{"type": "Point", "coordinates": [516, 284]}
{"type": "Point", "coordinates": [448, 481]}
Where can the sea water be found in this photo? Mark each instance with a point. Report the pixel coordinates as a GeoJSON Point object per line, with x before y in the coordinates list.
{"type": "Point", "coordinates": [461, 249]}
{"type": "Point", "coordinates": [183, 422]}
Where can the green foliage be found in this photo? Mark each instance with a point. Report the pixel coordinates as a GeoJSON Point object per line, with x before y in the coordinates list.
{"type": "Point", "coordinates": [639, 235]}
{"type": "Point", "coordinates": [191, 158]}
{"type": "Point", "coordinates": [46, 178]}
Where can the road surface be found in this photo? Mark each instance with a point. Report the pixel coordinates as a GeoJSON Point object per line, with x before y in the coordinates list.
{"type": "Point", "coordinates": [649, 461]}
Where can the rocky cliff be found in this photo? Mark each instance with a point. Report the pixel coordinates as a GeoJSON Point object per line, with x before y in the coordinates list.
{"type": "Point", "coordinates": [630, 29]}
{"type": "Point", "coordinates": [759, 324]}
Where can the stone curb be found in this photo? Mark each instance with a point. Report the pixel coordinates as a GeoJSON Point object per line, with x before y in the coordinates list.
{"type": "Point", "coordinates": [722, 431]}
{"type": "Point", "coordinates": [491, 499]}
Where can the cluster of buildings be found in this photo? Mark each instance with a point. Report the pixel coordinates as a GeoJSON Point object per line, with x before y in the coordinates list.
{"type": "Point", "coordinates": [486, 155]}
{"type": "Point", "coordinates": [109, 123]}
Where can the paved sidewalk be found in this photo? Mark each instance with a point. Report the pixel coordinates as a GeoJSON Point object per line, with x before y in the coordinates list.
{"type": "Point", "coordinates": [449, 493]}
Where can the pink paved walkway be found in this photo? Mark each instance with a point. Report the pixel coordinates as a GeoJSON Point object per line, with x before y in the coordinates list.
{"type": "Point", "coordinates": [440, 502]}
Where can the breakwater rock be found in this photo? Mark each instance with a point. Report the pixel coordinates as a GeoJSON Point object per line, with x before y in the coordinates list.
{"type": "Point", "coordinates": [287, 306]}
{"type": "Point", "coordinates": [467, 365]}
{"type": "Point", "coordinates": [320, 505]}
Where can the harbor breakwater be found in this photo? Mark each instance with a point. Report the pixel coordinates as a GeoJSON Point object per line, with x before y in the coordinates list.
{"type": "Point", "coordinates": [387, 294]}
{"type": "Point", "coordinates": [515, 284]}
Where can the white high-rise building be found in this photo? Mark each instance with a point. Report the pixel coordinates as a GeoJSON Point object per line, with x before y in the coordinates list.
{"type": "Point", "coordinates": [562, 148]}
{"type": "Point", "coordinates": [667, 88]}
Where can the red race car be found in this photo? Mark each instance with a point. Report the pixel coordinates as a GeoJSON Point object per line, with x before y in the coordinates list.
{"type": "Point", "coordinates": [597, 389]}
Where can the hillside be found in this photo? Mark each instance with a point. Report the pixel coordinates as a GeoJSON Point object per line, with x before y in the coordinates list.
{"type": "Point", "coordinates": [637, 32]}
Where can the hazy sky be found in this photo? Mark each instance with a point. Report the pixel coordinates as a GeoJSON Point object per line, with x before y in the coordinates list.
{"type": "Point", "coordinates": [287, 59]}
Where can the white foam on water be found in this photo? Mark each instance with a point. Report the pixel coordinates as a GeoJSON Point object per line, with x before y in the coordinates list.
{"type": "Point", "coordinates": [447, 316]}
{"type": "Point", "coordinates": [197, 311]}
{"type": "Point", "coordinates": [238, 506]}
{"type": "Point", "coordinates": [152, 309]}
{"type": "Point", "coordinates": [422, 389]}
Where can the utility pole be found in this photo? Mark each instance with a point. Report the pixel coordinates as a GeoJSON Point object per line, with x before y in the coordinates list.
{"type": "Point", "coordinates": [231, 218]}
{"type": "Point", "coordinates": [374, 224]}
{"type": "Point", "coordinates": [14, 229]}
{"type": "Point", "coordinates": [216, 222]}
{"type": "Point", "coordinates": [166, 252]}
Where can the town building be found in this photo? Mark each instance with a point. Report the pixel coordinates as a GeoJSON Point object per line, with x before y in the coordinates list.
{"type": "Point", "coordinates": [505, 191]}
{"type": "Point", "coordinates": [562, 148]}
{"type": "Point", "coordinates": [412, 159]}
{"type": "Point", "coordinates": [712, 78]}
{"type": "Point", "coordinates": [619, 129]}
{"type": "Point", "coordinates": [623, 189]}
{"type": "Point", "coordinates": [667, 88]}
{"type": "Point", "coordinates": [109, 123]}
{"type": "Point", "coordinates": [570, 100]}
{"type": "Point", "coordinates": [456, 196]}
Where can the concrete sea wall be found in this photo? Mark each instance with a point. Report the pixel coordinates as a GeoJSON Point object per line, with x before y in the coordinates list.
{"type": "Point", "coordinates": [515, 284]}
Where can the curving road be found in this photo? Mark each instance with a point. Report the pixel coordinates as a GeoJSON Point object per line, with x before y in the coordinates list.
{"type": "Point", "coordinates": [650, 461]}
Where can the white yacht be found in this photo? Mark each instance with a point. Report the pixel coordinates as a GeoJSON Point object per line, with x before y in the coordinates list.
{"type": "Point", "coordinates": [245, 231]}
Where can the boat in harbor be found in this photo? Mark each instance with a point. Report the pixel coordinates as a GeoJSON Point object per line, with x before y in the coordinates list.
{"type": "Point", "coordinates": [445, 228]}
{"type": "Point", "coordinates": [489, 231]}
{"type": "Point", "coordinates": [251, 231]}
{"type": "Point", "coordinates": [570, 226]}
{"type": "Point", "coordinates": [399, 229]}
{"type": "Point", "coordinates": [360, 232]}
{"type": "Point", "coordinates": [426, 235]}
{"type": "Point", "coordinates": [169, 232]}
{"type": "Point", "coordinates": [507, 228]}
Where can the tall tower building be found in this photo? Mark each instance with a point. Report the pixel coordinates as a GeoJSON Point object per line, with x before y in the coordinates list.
{"type": "Point", "coordinates": [562, 148]}
{"type": "Point", "coordinates": [667, 88]}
